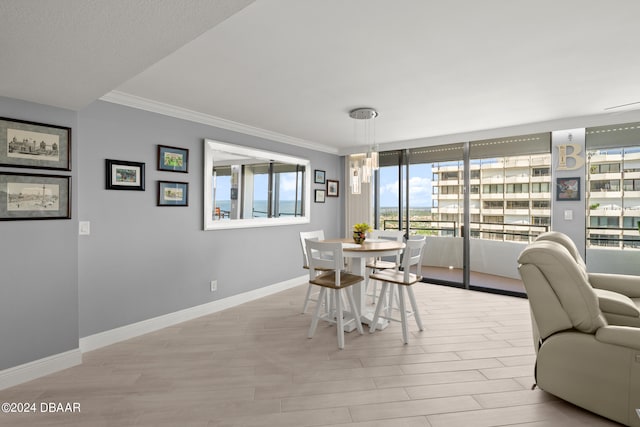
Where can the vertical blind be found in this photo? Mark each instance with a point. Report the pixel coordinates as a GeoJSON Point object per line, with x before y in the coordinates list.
{"type": "Point", "coordinates": [613, 136]}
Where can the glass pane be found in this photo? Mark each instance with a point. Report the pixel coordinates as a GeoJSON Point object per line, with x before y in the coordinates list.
{"type": "Point", "coordinates": [221, 193]}
{"type": "Point", "coordinates": [389, 192]}
{"type": "Point", "coordinates": [288, 194]}
{"type": "Point", "coordinates": [514, 206]}
{"type": "Point", "coordinates": [259, 197]}
{"type": "Point", "coordinates": [440, 186]}
{"type": "Point", "coordinates": [613, 215]}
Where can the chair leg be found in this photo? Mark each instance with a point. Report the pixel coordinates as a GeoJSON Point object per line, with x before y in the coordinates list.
{"type": "Point", "coordinates": [316, 314]}
{"type": "Point", "coordinates": [392, 297]}
{"type": "Point", "coordinates": [414, 306]}
{"type": "Point", "coordinates": [403, 314]}
{"type": "Point", "coordinates": [354, 310]}
{"type": "Point", "coordinates": [339, 319]}
{"type": "Point", "coordinates": [376, 315]}
{"type": "Point", "coordinates": [306, 299]}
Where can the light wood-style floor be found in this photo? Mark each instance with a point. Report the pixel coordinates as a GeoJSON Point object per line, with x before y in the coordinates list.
{"type": "Point", "coordinates": [253, 365]}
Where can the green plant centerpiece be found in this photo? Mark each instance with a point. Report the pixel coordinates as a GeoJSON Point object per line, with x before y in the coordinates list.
{"type": "Point", "coordinates": [359, 231]}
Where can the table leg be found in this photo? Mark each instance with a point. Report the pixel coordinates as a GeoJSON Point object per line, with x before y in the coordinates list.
{"type": "Point", "coordinates": [358, 266]}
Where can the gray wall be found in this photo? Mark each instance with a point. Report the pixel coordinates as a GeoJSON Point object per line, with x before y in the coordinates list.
{"type": "Point", "coordinates": [141, 261]}
{"type": "Point", "coordinates": [38, 264]}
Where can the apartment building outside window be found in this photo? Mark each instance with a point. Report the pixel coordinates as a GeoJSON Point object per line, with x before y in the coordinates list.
{"type": "Point", "coordinates": [613, 196]}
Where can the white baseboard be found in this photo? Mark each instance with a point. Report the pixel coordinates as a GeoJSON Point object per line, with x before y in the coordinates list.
{"type": "Point", "coordinates": [48, 365]}
{"type": "Point", "coordinates": [102, 339]}
{"type": "Point", "coordinates": [39, 368]}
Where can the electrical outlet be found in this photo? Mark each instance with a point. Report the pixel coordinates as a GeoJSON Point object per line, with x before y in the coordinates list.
{"type": "Point", "coordinates": [214, 285]}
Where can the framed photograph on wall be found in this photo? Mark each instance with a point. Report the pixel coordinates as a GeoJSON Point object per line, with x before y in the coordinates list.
{"type": "Point", "coordinates": [124, 175]}
{"type": "Point", "coordinates": [34, 145]}
{"type": "Point", "coordinates": [318, 176]}
{"type": "Point", "coordinates": [567, 189]}
{"type": "Point", "coordinates": [32, 196]}
{"type": "Point", "coordinates": [319, 196]}
{"type": "Point", "coordinates": [173, 159]}
{"type": "Point", "coordinates": [171, 193]}
{"type": "Point", "coordinates": [333, 188]}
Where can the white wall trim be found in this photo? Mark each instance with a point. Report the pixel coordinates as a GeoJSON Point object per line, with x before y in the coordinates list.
{"type": "Point", "coordinates": [121, 98]}
{"type": "Point", "coordinates": [102, 339]}
{"type": "Point", "coordinates": [39, 368]}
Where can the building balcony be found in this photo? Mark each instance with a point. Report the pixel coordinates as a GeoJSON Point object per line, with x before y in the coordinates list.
{"type": "Point", "coordinates": [447, 197]}
{"type": "Point", "coordinates": [592, 195]}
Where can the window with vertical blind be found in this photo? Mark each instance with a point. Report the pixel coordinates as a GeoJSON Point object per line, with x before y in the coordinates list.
{"type": "Point", "coordinates": [514, 175]}
{"type": "Point", "coordinates": [613, 184]}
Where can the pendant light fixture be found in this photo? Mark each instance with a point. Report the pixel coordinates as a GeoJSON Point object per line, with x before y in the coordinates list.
{"type": "Point", "coordinates": [363, 165]}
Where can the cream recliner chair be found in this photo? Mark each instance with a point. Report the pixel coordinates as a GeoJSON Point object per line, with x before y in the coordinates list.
{"type": "Point", "coordinates": [618, 294]}
{"type": "Point", "coordinates": [580, 357]}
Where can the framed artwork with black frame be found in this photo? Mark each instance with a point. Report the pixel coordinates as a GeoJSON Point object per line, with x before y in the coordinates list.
{"type": "Point", "coordinates": [34, 145]}
{"type": "Point", "coordinates": [124, 175]}
{"type": "Point", "coordinates": [173, 159]}
{"type": "Point", "coordinates": [34, 196]}
{"type": "Point", "coordinates": [172, 193]}
{"type": "Point", "coordinates": [333, 188]}
{"type": "Point", "coordinates": [319, 196]}
{"type": "Point", "coordinates": [567, 189]}
{"type": "Point", "coordinates": [318, 176]}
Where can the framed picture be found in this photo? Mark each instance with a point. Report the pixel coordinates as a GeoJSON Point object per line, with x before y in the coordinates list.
{"type": "Point", "coordinates": [318, 176]}
{"type": "Point", "coordinates": [34, 145]}
{"type": "Point", "coordinates": [333, 188]}
{"type": "Point", "coordinates": [567, 189]}
{"type": "Point", "coordinates": [30, 196]}
{"type": "Point", "coordinates": [319, 196]}
{"type": "Point", "coordinates": [123, 175]}
{"type": "Point", "coordinates": [173, 159]}
{"type": "Point", "coordinates": [171, 193]}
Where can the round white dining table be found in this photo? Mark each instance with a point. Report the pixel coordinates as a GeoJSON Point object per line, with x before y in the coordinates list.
{"type": "Point", "coordinates": [358, 255]}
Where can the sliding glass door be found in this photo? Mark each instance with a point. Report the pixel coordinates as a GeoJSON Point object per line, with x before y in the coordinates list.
{"type": "Point", "coordinates": [478, 203]}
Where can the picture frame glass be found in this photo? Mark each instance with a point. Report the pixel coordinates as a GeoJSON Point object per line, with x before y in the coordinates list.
{"type": "Point", "coordinates": [173, 193]}
{"type": "Point", "coordinates": [173, 159]}
{"type": "Point", "coordinates": [125, 175]}
{"type": "Point", "coordinates": [333, 188]}
{"type": "Point", "coordinates": [319, 176]}
{"type": "Point", "coordinates": [34, 145]}
{"type": "Point", "coordinates": [34, 196]}
{"type": "Point", "coordinates": [568, 189]}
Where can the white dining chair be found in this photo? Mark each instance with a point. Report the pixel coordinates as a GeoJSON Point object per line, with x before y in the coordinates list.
{"type": "Point", "coordinates": [326, 263]}
{"type": "Point", "coordinates": [310, 296]}
{"type": "Point", "coordinates": [401, 282]}
{"type": "Point", "coordinates": [377, 263]}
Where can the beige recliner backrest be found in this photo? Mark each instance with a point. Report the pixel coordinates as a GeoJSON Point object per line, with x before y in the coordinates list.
{"type": "Point", "coordinates": [559, 292]}
{"type": "Point", "coordinates": [564, 240]}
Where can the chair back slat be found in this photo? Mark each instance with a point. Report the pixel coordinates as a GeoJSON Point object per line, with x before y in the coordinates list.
{"type": "Point", "coordinates": [304, 235]}
{"type": "Point", "coordinates": [325, 256]}
{"type": "Point", "coordinates": [412, 255]}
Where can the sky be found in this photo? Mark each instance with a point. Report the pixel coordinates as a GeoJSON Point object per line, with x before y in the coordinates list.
{"type": "Point", "coordinates": [419, 186]}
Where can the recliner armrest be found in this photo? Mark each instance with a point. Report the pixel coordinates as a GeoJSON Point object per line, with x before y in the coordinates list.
{"type": "Point", "coordinates": [621, 283]}
{"type": "Point", "coordinates": [616, 303]}
{"type": "Point", "coordinates": [624, 336]}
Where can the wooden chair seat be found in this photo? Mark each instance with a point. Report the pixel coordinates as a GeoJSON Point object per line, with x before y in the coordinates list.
{"type": "Point", "coordinates": [392, 276]}
{"type": "Point", "coordinates": [327, 280]}
{"type": "Point", "coordinates": [379, 264]}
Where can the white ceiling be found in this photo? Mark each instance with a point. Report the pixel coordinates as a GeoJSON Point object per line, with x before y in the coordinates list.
{"type": "Point", "coordinates": [295, 68]}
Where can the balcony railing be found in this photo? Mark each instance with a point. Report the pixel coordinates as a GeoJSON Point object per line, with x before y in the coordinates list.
{"type": "Point", "coordinates": [482, 230]}
{"type": "Point", "coordinates": [613, 237]}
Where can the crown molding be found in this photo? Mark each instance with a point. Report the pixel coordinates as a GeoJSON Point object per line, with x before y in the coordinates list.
{"type": "Point", "coordinates": [133, 101]}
